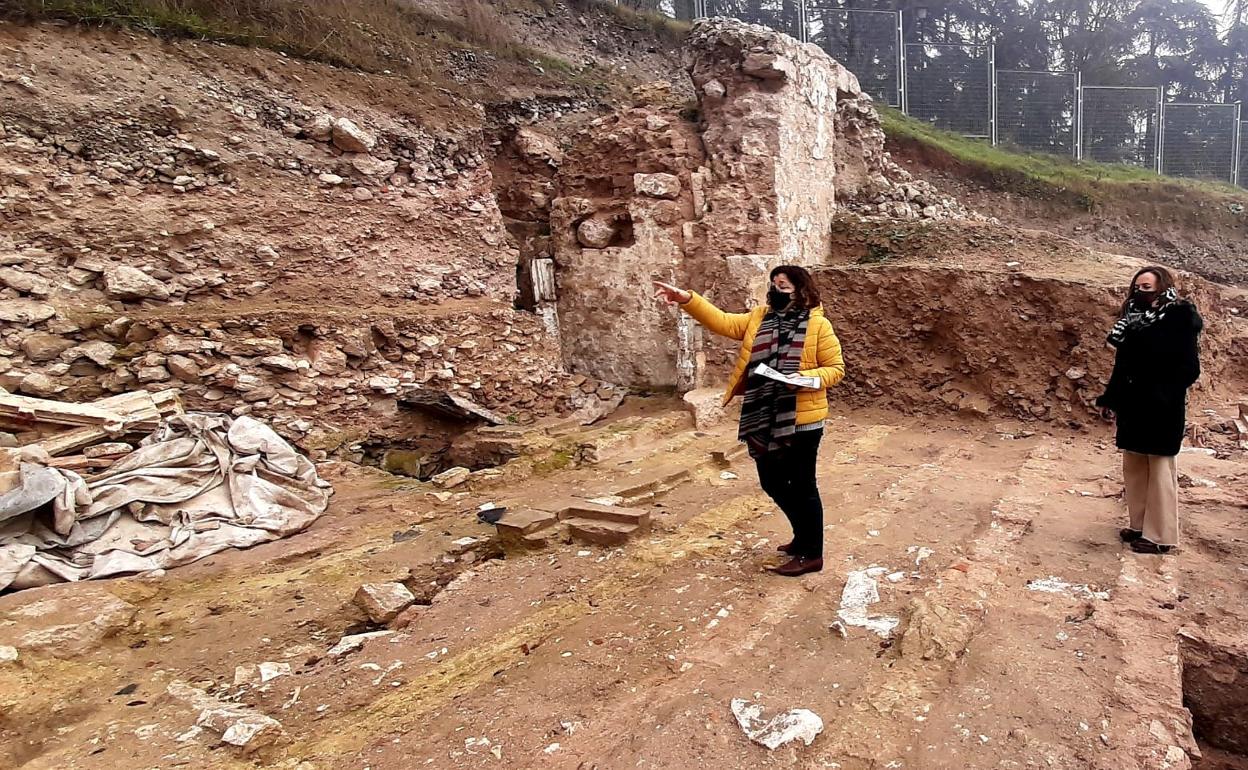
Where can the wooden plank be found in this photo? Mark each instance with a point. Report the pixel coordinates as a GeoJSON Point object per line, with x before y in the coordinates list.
{"type": "Point", "coordinates": [57, 412]}
{"type": "Point", "coordinates": [82, 463]}
{"type": "Point", "coordinates": [76, 439]}
{"type": "Point", "coordinates": [141, 412]}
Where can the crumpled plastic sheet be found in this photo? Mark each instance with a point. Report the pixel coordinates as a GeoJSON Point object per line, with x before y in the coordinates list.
{"type": "Point", "coordinates": [861, 590]}
{"type": "Point", "coordinates": [199, 484]}
{"type": "Point", "coordinates": [793, 725]}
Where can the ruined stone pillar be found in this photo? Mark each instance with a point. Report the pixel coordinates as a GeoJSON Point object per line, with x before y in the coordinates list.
{"type": "Point", "coordinates": [712, 203]}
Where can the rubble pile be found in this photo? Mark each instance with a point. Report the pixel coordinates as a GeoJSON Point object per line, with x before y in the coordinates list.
{"type": "Point", "coordinates": [285, 369]}
{"type": "Point", "coordinates": [157, 144]}
{"type": "Point", "coordinates": [125, 157]}
{"type": "Point", "coordinates": [263, 240]}
{"type": "Point", "coordinates": [869, 183]}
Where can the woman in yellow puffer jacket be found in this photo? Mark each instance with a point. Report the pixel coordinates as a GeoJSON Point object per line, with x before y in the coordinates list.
{"type": "Point", "coordinates": [781, 423]}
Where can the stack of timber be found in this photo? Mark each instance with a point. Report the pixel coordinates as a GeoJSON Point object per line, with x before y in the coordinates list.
{"type": "Point", "coordinates": [85, 437]}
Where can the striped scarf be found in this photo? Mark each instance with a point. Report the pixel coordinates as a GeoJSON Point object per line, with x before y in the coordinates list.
{"type": "Point", "coordinates": [1137, 318]}
{"type": "Point", "coordinates": [769, 410]}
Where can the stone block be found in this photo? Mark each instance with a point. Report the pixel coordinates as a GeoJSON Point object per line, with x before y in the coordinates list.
{"type": "Point", "coordinates": [525, 521]}
{"type": "Point", "coordinates": [452, 478]}
{"type": "Point", "coordinates": [383, 602]}
{"type": "Point", "coordinates": [707, 407]}
{"type": "Point", "coordinates": [657, 185]}
{"type": "Point", "coordinates": [25, 311]}
{"type": "Point", "coordinates": [595, 233]}
{"type": "Point", "coordinates": [71, 625]}
{"type": "Point", "coordinates": [129, 283]}
{"type": "Point", "coordinates": [41, 346]}
{"type": "Point", "coordinates": [349, 137]}
{"type": "Point", "coordinates": [767, 66]}
{"type": "Point", "coordinates": [652, 485]}
{"type": "Point", "coordinates": [601, 532]}
{"type": "Point", "coordinates": [586, 511]}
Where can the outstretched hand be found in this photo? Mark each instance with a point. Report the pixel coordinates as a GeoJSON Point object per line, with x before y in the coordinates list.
{"type": "Point", "coordinates": [670, 293]}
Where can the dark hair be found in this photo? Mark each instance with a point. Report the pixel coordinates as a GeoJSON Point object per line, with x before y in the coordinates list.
{"type": "Point", "coordinates": [805, 290]}
{"type": "Point", "coordinates": [1165, 282]}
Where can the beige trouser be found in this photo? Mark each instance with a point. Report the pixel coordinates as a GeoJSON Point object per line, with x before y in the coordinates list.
{"type": "Point", "coordinates": [1152, 483]}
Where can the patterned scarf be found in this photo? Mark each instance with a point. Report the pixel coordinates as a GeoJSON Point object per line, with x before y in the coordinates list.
{"type": "Point", "coordinates": [769, 410]}
{"type": "Point", "coordinates": [1137, 317]}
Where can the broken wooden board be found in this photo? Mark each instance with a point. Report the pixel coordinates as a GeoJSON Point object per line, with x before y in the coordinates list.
{"type": "Point", "coordinates": [139, 412]}
{"type": "Point", "coordinates": [20, 411]}
{"type": "Point", "coordinates": [449, 405]}
{"type": "Point", "coordinates": [82, 463]}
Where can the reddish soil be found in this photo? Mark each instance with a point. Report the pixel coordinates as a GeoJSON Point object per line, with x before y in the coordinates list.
{"type": "Point", "coordinates": [585, 657]}
{"type": "Point", "coordinates": [1204, 233]}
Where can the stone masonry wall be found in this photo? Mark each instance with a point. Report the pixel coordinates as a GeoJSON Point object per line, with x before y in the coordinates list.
{"type": "Point", "coordinates": [270, 236]}
{"type": "Point", "coordinates": [783, 142]}
{"type": "Point", "coordinates": [768, 107]}
{"type": "Point", "coordinates": [627, 187]}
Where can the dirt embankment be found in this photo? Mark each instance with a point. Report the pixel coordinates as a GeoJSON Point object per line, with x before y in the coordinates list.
{"type": "Point", "coordinates": [160, 198]}
{"type": "Point", "coordinates": [1203, 231]}
{"type": "Point", "coordinates": [989, 320]}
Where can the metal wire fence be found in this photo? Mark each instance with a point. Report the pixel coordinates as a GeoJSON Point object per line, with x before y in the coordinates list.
{"type": "Point", "coordinates": [781, 15]}
{"type": "Point", "coordinates": [1036, 110]}
{"type": "Point", "coordinates": [950, 86]}
{"type": "Point", "coordinates": [868, 43]}
{"type": "Point", "coordinates": [958, 88]}
{"type": "Point", "coordinates": [1198, 141]}
{"type": "Point", "coordinates": [675, 9]}
{"type": "Point", "coordinates": [1119, 124]}
{"type": "Point", "coordinates": [1242, 152]}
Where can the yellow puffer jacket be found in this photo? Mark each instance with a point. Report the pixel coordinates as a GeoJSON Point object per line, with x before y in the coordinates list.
{"type": "Point", "coordinates": [821, 355]}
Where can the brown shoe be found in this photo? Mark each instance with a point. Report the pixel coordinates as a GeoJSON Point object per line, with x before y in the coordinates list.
{"type": "Point", "coordinates": [799, 565]}
{"type": "Point", "coordinates": [787, 547]}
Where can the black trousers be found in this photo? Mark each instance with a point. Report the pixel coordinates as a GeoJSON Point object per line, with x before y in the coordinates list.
{"type": "Point", "coordinates": [788, 477]}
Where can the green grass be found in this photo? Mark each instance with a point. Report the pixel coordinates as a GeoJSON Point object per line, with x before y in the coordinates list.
{"type": "Point", "coordinates": [1083, 184]}
{"type": "Point", "coordinates": [664, 28]}
{"type": "Point", "coordinates": [369, 35]}
{"type": "Point", "coordinates": [556, 461]}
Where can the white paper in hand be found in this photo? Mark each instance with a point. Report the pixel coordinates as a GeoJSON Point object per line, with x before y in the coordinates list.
{"type": "Point", "coordinates": [813, 383]}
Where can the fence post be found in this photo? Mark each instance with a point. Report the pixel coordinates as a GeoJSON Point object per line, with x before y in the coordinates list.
{"type": "Point", "coordinates": [802, 21]}
{"type": "Point", "coordinates": [992, 73]}
{"type": "Point", "coordinates": [1239, 143]}
{"type": "Point", "coordinates": [901, 64]}
{"type": "Point", "coordinates": [1078, 119]}
{"type": "Point", "coordinates": [1161, 130]}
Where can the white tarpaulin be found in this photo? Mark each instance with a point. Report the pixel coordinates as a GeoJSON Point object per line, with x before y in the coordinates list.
{"type": "Point", "coordinates": [199, 484]}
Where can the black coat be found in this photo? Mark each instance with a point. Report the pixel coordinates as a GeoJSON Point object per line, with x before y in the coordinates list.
{"type": "Point", "coordinates": [1153, 369]}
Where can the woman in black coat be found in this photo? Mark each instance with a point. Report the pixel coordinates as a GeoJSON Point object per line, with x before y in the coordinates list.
{"type": "Point", "coordinates": [1158, 358]}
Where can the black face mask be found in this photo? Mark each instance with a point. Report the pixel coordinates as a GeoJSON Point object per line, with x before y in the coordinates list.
{"type": "Point", "coordinates": [778, 299]}
{"type": "Point", "coordinates": [1145, 298]}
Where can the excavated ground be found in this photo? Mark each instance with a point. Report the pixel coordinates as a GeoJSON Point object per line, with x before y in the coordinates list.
{"type": "Point", "coordinates": [1203, 232]}
{"type": "Point", "coordinates": [987, 319]}
{"type": "Point", "coordinates": [579, 657]}
{"type": "Point", "coordinates": [588, 657]}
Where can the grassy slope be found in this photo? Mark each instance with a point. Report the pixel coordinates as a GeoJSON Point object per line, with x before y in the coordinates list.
{"type": "Point", "coordinates": [394, 36]}
{"type": "Point", "coordinates": [1085, 185]}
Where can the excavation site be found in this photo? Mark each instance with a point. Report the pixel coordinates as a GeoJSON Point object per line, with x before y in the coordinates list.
{"type": "Point", "coordinates": [344, 426]}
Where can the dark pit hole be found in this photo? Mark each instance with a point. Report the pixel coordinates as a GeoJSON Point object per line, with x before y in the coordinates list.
{"type": "Point", "coordinates": [1215, 691]}
{"type": "Point", "coordinates": [424, 458]}
{"type": "Point", "coordinates": [624, 237]}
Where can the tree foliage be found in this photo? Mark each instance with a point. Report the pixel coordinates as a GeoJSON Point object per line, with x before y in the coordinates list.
{"type": "Point", "coordinates": [1194, 50]}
